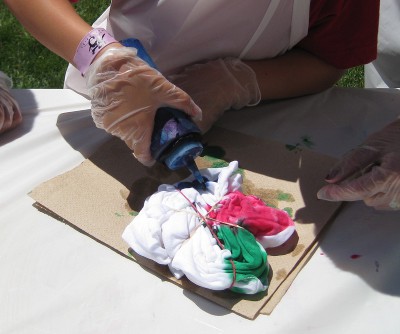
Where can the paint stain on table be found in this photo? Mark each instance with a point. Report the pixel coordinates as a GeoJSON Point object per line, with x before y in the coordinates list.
{"type": "Point", "coordinates": [355, 256]}
{"type": "Point", "coordinates": [281, 274]}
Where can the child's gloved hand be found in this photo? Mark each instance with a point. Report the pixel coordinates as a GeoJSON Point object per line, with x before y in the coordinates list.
{"type": "Point", "coordinates": [217, 86]}
{"type": "Point", "coordinates": [10, 114]}
{"type": "Point", "coordinates": [378, 162]}
{"type": "Point", "coordinates": [126, 93]}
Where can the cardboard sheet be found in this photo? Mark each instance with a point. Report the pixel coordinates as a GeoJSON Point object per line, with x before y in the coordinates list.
{"type": "Point", "coordinates": [101, 196]}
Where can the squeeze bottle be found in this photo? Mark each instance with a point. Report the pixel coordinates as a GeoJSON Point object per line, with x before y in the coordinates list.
{"type": "Point", "coordinates": [176, 139]}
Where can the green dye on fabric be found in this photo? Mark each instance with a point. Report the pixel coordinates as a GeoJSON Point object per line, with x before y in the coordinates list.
{"type": "Point", "coordinates": [248, 256]}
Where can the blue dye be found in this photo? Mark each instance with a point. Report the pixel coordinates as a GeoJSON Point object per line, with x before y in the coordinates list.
{"type": "Point", "coordinates": [190, 164]}
{"type": "Point", "coordinates": [176, 141]}
{"type": "Point", "coordinates": [193, 184]}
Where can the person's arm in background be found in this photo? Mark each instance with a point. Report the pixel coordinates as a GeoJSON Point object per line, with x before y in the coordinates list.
{"type": "Point", "coordinates": [55, 24]}
{"type": "Point", "coordinates": [222, 84]}
{"type": "Point", "coordinates": [295, 73]}
{"type": "Point", "coordinates": [341, 35]}
{"type": "Point", "coordinates": [125, 92]}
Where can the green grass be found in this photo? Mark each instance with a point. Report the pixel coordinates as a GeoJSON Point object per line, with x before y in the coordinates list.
{"type": "Point", "coordinates": [25, 60]}
{"type": "Point", "coordinates": [354, 77]}
{"type": "Point", "coordinates": [31, 65]}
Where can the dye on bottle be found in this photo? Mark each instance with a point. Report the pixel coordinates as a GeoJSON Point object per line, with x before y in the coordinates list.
{"type": "Point", "coordinates": [176, 139]}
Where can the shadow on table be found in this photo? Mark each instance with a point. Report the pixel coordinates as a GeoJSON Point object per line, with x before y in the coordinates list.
{"type": "Point", "coordinates": [206, 305]}
{"type": "Point", "coordinates": [80, 132]}
{"type": "Point", "coordinates": [365, 242]}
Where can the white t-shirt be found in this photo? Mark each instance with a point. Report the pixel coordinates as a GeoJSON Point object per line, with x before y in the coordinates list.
{"type": "Point", "coordinates": [178, 33]}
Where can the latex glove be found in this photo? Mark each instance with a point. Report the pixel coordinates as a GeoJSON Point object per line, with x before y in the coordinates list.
{"type": "Point", "coordinates": [10, 114]}
{"type": "Point", "coordinates": [125, 95]}
{"type": "Point", "coordinates": [377, 161]}
{"type": "Point", "coordinates": [217, 86]}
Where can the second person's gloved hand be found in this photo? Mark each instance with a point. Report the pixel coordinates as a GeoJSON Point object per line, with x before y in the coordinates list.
{"type": "Point", "coordinates": [217, 86]}
{"type": "Point", "coordinates": [126, 93]}
{"type": "Point", "coordinates": [10, 114]}
{"type": "Point", "coordinates": [377, 163]}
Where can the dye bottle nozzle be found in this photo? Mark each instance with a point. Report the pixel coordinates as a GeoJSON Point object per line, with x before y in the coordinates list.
{"type": "Point", "coordinates": [176, 139]}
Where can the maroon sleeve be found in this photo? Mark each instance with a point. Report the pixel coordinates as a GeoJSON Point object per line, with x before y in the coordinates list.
{"type": "Point", "coordinates": [344, 33]}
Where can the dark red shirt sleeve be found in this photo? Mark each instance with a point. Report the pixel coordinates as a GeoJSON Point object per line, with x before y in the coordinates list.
{"type": "Point", "coordinates": [344, 33]}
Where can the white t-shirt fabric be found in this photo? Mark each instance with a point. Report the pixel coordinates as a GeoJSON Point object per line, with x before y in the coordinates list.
{"type": "Point", "coordinates": [179, 33]}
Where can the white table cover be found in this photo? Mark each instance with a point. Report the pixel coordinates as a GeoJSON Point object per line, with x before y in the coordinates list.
{"type": "Point", "coordinates": [54, 279]}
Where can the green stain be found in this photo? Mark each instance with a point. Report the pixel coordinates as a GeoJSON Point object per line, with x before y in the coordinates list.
{"type": "Point", "coordinates": [291, 147]}
{"type": "Point", "coordinates": [286, 197]}
{"type": "Point", "coordinates": [130, 213]}
{"type": "Point", "coordinates": [215, 162]}
{"type": "Point", "coordinates": [305, 141]}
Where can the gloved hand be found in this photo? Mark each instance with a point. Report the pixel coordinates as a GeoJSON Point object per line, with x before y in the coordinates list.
{"type": "Point", "coordinates": [217, 86]}
{"type": "Point", "coordinates": [378, 163]}
{"type": "Point", "coordinates": [10, 114]}
{"type": "Point", "coordinates": [126, 94]}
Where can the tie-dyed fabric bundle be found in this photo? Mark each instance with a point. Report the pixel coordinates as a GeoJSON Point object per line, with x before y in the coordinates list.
{"type": "Point", "coordinates": [215, 237]}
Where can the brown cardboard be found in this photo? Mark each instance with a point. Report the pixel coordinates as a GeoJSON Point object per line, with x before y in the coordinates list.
{"type": "Point", "coordinates": [101, 196]}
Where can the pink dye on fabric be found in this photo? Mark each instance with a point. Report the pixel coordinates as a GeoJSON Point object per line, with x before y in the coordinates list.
{"type": "Point", "coordinates": [251, 213]}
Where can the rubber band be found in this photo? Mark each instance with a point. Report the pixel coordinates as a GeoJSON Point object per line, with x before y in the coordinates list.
{"type": "Point", "coordinates": [220, 244]}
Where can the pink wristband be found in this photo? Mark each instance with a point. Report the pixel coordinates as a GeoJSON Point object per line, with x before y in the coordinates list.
{"type": "Point", "coordinates": [90, 46]}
